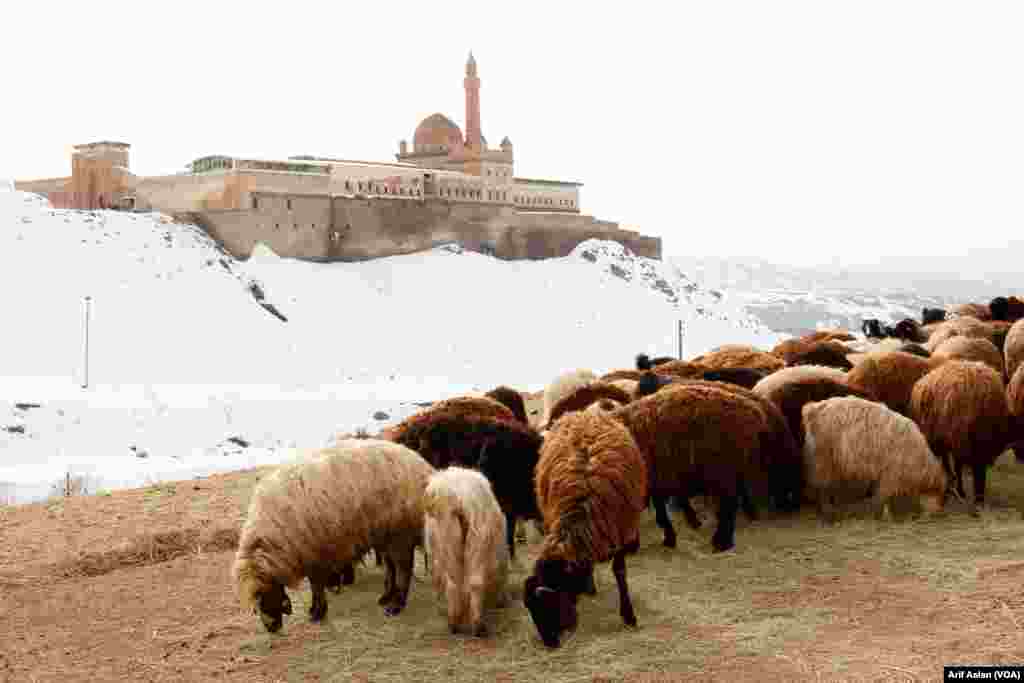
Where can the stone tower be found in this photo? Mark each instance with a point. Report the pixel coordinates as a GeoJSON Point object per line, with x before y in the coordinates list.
{"type": "Point", "coordinates": [99, 172]}
{"type": "Point", "coordinates": [472, 84]}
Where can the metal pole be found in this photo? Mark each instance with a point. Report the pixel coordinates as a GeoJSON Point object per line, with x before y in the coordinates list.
{"type": "Point", "coordinates": [85, 342]}
{"type": "Point", "coordinates": [680, 336]}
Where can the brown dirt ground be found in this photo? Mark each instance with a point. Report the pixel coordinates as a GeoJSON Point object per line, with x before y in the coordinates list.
{"type": "Point", "coordinates": [134, 586]}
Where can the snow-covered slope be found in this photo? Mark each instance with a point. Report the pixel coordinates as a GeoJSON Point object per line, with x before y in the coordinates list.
{"type": "Point", "coordinates": [189, 348]}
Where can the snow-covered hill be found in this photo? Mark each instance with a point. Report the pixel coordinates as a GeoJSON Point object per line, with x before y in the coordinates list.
{"type": "Point", "coordinates": [192, 354]}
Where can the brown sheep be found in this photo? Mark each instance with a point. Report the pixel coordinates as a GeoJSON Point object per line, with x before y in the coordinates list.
{"type": "Point", "coordinates": [563, 385]}
{"type": "Point", "coordinates": [680, 368]}
{"type": "Point", "coordinates": [890, 377]}
{"type": "Point", "coordinates": [584, 395]}
{"type": "Point", "coordinates": [958, 327]}
{"type": "Point", "coordinates": [829, 335]}
{"type": "Point", "coordinates": [627, 385]}
{"type": "Point", "coordinates": [791, 396]}
{"type": "Point", "coordinates": [472, 406]}
{"type": "Point", "coordinates": [829, 354]}
{"type": "Point", "coordinates": [739, 356]}
{"type": "Point", "coordinates": [1015, 404]}
{"type": "Point", "coordinates": [971, 348]}
{"type": "Point", "coordinates": [797, 373]}
{"type": "Point", "coordinates": [621, 374]}
{"type": "Point", "coordinates": [961, 408]}
{"type": "Point", "coordinates": [978, 311]}
{"type": "Point", "coordinates": [854, 442]}
{"type": "Point", "coordinates": [1014, 348]}
{"type": "Point", "coordinates": [591, 486]}
{"type": "Point", "coordinates": [697, 437]}
{"type": "Point", "coordinates": [511, 399]}
{"type": "Point", "coordinates": [323, 512]}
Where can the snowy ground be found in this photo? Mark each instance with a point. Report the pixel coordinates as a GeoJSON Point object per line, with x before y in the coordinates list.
{"type": "Point", "coordinates": [188, 347]}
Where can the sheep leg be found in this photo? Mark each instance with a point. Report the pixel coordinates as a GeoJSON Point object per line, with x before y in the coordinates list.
{"type": "Point", "coordinates": [318, 579]}
{"type": "Point", "coordinates": [980, 471]}
{"type": "Point", "coordinates": [625, 604]}
{"type": "Point", "coordinates": [453, 592]}
{"type": "Point", "coordinates": [692, 520]}
{"type": "Point", "coordinates": [510, 533]}
{"type": "Point", "coordinates": [589, 587]}
{"type": "Point", "coordinates": [960, 480]}
{"type": "Point", "coordinates": [389, 580]}
{"type": "Point", "coordinates": [661, 517]}
{"type": "Point", "coordinates": [477, 590]}
{"type": "Point", "coordinates": [746, 499]}
{"type": "Point", "coordinates": [724, 537]}
{"type": "Point", "coordinates": [403, 578]}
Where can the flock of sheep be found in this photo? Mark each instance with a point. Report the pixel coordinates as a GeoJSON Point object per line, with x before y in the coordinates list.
{"type": "Point", "coordinates": [824, 418]}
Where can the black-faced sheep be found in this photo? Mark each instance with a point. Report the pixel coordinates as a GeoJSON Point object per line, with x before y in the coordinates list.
{"type": "Point", "coordinates": [932, 315]}
{"type": "Point", "coordinates": [1015, 404]}
{"type": "Point", "coordinates": [961, 408]}
{"type": "Point", "coordinates": [584, 395]}
{"type": "Point", "coordinates": [890, 377]}
{"type": "Point", "coordinates": [591, 485]}
{"type": "Point", "coordinates": [971, 348]}
{"type": "Point", "coordinates": [1013, 349]}
{"type": "Point", "coordinates": [323, 512]}
{"type": "Point", "coordinates": [464, 534]}
{"type": "Point", "coordinates": [852, 442]}
{"type": "Point", "coordinates": [562, 386]}
{"type": "Point", "coordinates": [475, 406]}
{"type": "Point", "coordinates": [645, 362]}
{"type": "Point", "coordinates": [511, 399]}
{"type": "Point", "coordinates": [505, 451]}
{"type": "Point", "coordinates": [697, 437]}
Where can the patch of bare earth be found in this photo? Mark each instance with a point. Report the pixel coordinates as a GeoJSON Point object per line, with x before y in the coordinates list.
{"type": "Point", "coordinates": [135, 586]}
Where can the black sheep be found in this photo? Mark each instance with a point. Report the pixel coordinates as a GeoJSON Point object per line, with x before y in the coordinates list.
{"type": "Point", "coordinates": [645, 362]}
{"type": "Point", "coordinates": [932, 315]}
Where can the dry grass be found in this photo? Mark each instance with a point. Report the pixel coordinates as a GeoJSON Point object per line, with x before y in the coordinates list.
{"type": "Point", "coordinates": [767, 599]}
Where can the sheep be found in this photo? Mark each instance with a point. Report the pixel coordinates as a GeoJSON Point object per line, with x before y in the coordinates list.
{"type": "Point", "coordinates": [645, 362]}
{"type": "Point", "coordinates": [909, 330]}
{"type": "Point", "coordinates": [682, 369]}
{"type": "Point", "coordinates": [504, 450]}
{"type": "Point", "coordinates": [592, 486]}
{"type": "Point", "coordinates": [627, 385]}
{"type": "Point", "coordinates": [830, 354]}
{"type": "Point", "coordinates": [313, 516]}
{"type": "Point", "coordinates": [737, 356]}
{"type": "Point", "coordinates": [962, 410]}
{"type": "Point", "coordinates": [511, 399]}
{"type": "Point", "coordinates": [978, 311]}
{"type": "Point", "coordinates": [828, 335]}
{"type": "Point", "coordinates": [479, 406]}
{"type": "Point", "coordinates": [971, 348]}
{"type": "Point", "coordinates": [959, 327]}
{"type": "Point", "coordinates": [742, 377]}
{"type": "Point", "coordinates": [890, 377]}
{"type": "Point", "coordinates": [1013, 349]}
{"type": "Point", "coordinates": [1015, 404]}
{"type": "Point", "coordinates": [797, 373]}
{"type": "Point", "coordinates": [932, 315]}
{"type": "Point", "coordinates": [697, 437]}
{"type": "Point", "coordinates": [616, 375]}
{"type": "Point", "coordinates": [1007, 309]}
{"type": "Point", "coordinates": [799, 344]}
{"type": "Point", "coordinates": [792, 392]}
{"type": "Point", "coordinates": [851, 441]}
{"type": "Point", "coordinates": [582, 396]}
{"type": "Point", "coordinates": [651, 382]}
{"type": "Point", "coordinates": [873, 328]}
{"type": "Point", "coordinates": [563, 385]}
{"type": "Point", "coordinates": [464, 534]}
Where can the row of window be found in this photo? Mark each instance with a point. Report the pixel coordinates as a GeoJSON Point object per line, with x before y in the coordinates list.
{"type": "Point", "coordinates": [545, 201]}
{"type": "Point", "coordinates": [360, 186]}
{"type": "Point", "coordinates": [499, 172]}
{"type": "Point", "coordinates": [459, 192]}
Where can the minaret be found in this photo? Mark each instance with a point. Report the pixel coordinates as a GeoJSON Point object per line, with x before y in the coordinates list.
{"type": "Point", "coordinates": [472, 84]}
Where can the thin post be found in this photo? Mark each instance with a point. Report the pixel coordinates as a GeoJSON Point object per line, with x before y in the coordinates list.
{"type": "Point", "coordinates": [680, 336]}
{"type": "Point", "coordinates": [85, 342]}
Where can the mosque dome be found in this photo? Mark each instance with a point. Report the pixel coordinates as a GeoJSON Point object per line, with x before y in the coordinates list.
{"type": "Point", "coordinates": [435, 131]}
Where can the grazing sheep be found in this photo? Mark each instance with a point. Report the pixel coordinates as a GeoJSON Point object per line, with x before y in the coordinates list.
{"type": "Point", "coordinates": [476, 406]}
{"type": "Point", "coordinates": [1013, 349]}
{"type": "Point", "coordinates": [742, 377]}
{"type": "Point", "coordinates": [1015, 404]}
{"type": "Point", "coordinates": [645, 362]}
{"type": "Point", "coordinates": [505, 451]}
{"type": "Point", "coordinates": [681, 369]}
{"type": "Point", "coordinates": [793, 392]}
{"type": "Point", "coordinates": [797, 373]}
{"type": "Point", "coordinates": [697, 437]}
{"type": "Point", "coordinates": [890, 377]}
{"type": "Point", "coordinates": [1006, 309]}
{"type": "Point", "coordinates": [915, 349]}
{"type": "Point", "coordinates": [738, 356]}
{"type": "Point", "coordinates": [829, 354]}
{"type": "Point", "coordinates": [511, 399]}
{"type": "Point", "coordinates": [961, 408]}
{"type": "Point", "coordinates": [563, 385]}
{"type": "Point", "coordinates": [584, 395]}
{"type": "Point", "coordinates": [464, 534]}
{"type": "Point", "coordinates": [959, 327]}
{"type": "Point", "coordinates": [591, 485]}
{"type": "Point", "coordinates": [971, 348]}
{"type": "Point", "coordinates": [318, 514]}
{"type": "Point", "coordinates": [627, 385]}
{"type": "Point", "coordinates": [616, 375]}
{"type": "Point", "coordinates": [932, 315]}
{"type": "Point", "coordinates": [978, 311]}
{"type": "Point", "coordinates": [850, 441]}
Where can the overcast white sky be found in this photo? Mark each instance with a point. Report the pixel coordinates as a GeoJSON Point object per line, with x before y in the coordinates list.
{"type": "Point", "coordinates": [796, 132]}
